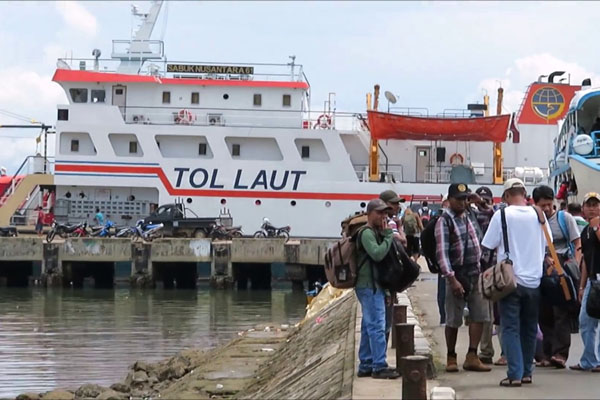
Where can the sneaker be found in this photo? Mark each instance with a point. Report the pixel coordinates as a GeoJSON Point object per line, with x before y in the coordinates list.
{"type": "Point", "coordinates": [451, 364]}
{"type": "Point", "coordinates": [363, 374]}
{"type": "Point", "coordinates": [387, 373]}
{"type": "Point", "coordinates": [473, 363]}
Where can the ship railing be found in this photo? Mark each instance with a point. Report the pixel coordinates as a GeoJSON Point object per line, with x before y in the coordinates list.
{"type": "Point", "coordinates": [158, 68]}
{"type": "Point", "coordinates": [392, 173]}
{"type": "Point", "coordinates": [31, 165]}
{"type": "Point", "coordinates": [596, 141]}
{"type": "Point", "coordinates": [343, 121]}
{"type": "Point", "coordinates": [410, 111]}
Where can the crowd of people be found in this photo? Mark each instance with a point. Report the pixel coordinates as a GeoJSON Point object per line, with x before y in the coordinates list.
{"type": "Point", "coordinates": [473, 233]}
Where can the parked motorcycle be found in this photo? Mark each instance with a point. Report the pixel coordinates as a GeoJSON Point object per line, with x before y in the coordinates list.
{"type": "Point", "coordinates": [126, 232]}
{"type": "Point", "coordinates": [219, 231]}
{"type": "Point", "coordinates": [147, 231]}
{"type": "Point", "coordinates": [269, 230]}
{"type": "Point", "coordinates": [105, 230]}
{"type": "Point", "coordinates": [65, 231]}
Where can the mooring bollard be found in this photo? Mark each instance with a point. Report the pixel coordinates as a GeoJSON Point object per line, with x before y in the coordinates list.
{"type": "Point", "coordinates": [405, 340]}
{"type": "Point", "coordinates": [414, 378]}
{"type": "Point", "coordinates": [398, 317]}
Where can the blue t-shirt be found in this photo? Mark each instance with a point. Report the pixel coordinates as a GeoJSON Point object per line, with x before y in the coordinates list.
{"type": "Point", "coordinates": [99, 218]}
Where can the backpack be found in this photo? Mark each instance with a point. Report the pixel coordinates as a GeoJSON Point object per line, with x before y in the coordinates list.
{"type": "Point", "coordinates": [341, 261]}
{"type": "Point", "coordinates": [397, 271]}
{"type": "Point", "coordinates": [425, 214]}
{"type": "Point", "coordinates": [428, 242]}
{"type": "Point", "coordinates": [410, 224]}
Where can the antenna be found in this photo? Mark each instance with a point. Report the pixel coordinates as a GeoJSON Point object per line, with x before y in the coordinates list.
{"type": "Point", "coordinates": [96, 53]}
{"type": "Point", "coordinates": [390, 98]}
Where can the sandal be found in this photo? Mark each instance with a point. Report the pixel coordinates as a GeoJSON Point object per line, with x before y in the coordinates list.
{"type": "Point", "coordinates": [501, 361]}
{"type": "Point", "coordinates": [526, 380]}
{"type": "Point", "coordinates": [544, 364]}
{"type": "Point", "coordinates": [510, 383]}
{"type": "Point", "coordinates": [596, 369]}
{"type": "Point", "coordinates": [577, 367]}
{"type": "Point", "coordinates": [558, 362]}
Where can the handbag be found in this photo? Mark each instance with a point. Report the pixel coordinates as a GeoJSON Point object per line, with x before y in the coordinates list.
{"type": "Point", "coordinates": [499, 281]}
{"type": "Point", "coordinates": [592, 305]}
{"type": "Point", "coordinates": [557, 287]}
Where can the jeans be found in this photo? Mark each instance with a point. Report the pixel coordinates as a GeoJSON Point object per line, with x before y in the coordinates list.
{"type": "Point", "coordinates": [372, 349]}
{"type": "Point", "coordinates": [518, 321]}
{"type": "Point", "coordinates": [588, 327]}
{"type": "Point", "coordinates": [441, 298]}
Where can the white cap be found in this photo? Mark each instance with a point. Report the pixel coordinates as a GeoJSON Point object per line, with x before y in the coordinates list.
{"type": "Point", "coordinates": [513, 183]}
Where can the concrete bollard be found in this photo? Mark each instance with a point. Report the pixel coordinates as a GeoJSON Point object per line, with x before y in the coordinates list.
{"type": "Point", "coordinates": [442, 393]}
{"type": "Point", "coordinates": [398, 317]}
{"type": "Point", "coordinates": [405, 339]}
{"type": "Point", "coordinates": [414, 378]}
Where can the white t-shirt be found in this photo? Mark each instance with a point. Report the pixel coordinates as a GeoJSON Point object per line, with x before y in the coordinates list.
{"type": "Point", "coordinates": [526, 243]}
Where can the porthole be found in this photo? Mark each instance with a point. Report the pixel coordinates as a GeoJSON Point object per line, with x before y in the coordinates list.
{"type": "Point", "coordinates": [293, 203]}
{"type": "Point", "coordinates": [363, 205]}
{"type": "Point", "coordinates": [225, 96]}
{"type": "Point", "coordinates": [189, 200]}
{"type": "Point", "coordinates": [258, 202]}
{"type": "Point", "coordinates": [68, 195]}
{"type": "Point", "coordinates": [223, 201]}
{"type": "Point", "coordinates": [131, 198]}
{"type": "Point", "coordinates": [327, 204]}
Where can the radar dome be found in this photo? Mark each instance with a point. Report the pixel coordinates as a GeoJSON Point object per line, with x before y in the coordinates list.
{"type": "Point", "coordinates": [583, 145]}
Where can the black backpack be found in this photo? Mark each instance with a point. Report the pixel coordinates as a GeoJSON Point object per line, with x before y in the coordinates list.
{"type": "Point", "coordinates": [397, 271]}
{"type": "Point", "coordinates": [428, 243]}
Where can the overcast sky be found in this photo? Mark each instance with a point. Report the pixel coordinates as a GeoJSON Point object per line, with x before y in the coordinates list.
{"type": "Point", "coordinates": [436, 55]}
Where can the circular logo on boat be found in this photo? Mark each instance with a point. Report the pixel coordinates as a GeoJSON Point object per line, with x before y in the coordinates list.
{"type": "Point", "coordinates": [548, 102]}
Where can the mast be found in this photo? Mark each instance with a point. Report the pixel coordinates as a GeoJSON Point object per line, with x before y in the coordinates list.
{"type": "Point", "coordinates": [498, 166]}
{"type": "Point", "coordinates": [374, 145]}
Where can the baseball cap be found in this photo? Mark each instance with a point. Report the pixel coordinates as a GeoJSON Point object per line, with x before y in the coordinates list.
{"type": "Point", "coordinates": [591, 195]}
{"type": "Point", "coordinates": [389, 196]}
{"type": "Point", "coordinates": [458, 190]}
{"type": "Point", "coordinates": [377, 205]}
{"type": "Point", "coordinates": [513, 183]}
{"type": "Point", "coordinates": [484, 191]}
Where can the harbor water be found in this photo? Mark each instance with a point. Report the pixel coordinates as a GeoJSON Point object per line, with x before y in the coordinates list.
{"type": "Point", "coordinates": [64, 338]}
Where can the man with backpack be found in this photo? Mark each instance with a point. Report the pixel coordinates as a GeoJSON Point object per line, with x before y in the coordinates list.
{"type": "Point", "coordinates": [458, 255]}
{"type": "Point", "coordinates": [424, 212]}
{"type": "Point", "coordinates": [555, 321]}
{"type": "Point", "coordinates": [374, 242]}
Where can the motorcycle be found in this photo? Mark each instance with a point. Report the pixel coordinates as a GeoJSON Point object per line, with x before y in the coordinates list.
{"type": "Point", "coordinates": [147, 231]}
{"type": "Point", "coordinates": [219, 231]}
{"type": "Point", "coordinates": [65, 231]}
{"type": "Point", "coordinates": [126, 232]}
{"type": "Point", "coordinates": [105, 230]}
{"type": "Point", "coordinates": [269, 230]}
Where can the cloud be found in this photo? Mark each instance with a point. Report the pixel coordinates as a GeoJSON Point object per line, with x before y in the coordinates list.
{"type": "Point", "coordinates": [526, 70]}
{"type": "Point", "coordinates": [77, 17]}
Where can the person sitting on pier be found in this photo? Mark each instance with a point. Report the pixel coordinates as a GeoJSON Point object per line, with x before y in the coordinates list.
{"type": "Point", "coordinates": [373, 245]}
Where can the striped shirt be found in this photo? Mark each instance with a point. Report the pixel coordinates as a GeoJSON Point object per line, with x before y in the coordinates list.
{"type": "Point", "coordinates": [457, 246]}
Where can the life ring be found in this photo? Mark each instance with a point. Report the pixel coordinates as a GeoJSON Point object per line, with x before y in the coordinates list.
{"type": "Point", "coordinates": [324, 121]}
{"type": "Point", "coordinates": [185, 117]}
{"type": "Point", "coordinates": [457, 159]}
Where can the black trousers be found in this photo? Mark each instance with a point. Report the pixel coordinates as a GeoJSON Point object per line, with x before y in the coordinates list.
{"type": "Point", "coordinates": [555, 323]}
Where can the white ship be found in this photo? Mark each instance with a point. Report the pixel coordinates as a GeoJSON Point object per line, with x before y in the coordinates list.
{"type": "Point", "coordinates": [141, 130]}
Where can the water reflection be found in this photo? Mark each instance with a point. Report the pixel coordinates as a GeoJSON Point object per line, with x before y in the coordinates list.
{"type": "Point", "coordinates": [62, 338]}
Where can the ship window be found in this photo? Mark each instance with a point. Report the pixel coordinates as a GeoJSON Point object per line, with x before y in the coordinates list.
{"type": "Point", "coordinates": [235, 150]}
{"type": "Point", "coordinates": [98, 96]}
{"type": "Point", "coordinates": [287, 100]}
{"type": "Point", "coordinates": [195, 98]}
{"type": "Point", "coordinates": [74, 145]}
{"type": "Point", "coordinates": [176, 146]}
{"type": "Point", "coordinates": [202, 149]}
{"type": "Point", "coordinates": [166, 97]}
{"type": "Point", "coordinates": [79, 95]}
{"type": "Point", "coordinates": [133, 147]}
{"type": "Point", "coordinates": [257, 99]}
{"type": "Point", "coordinates": [63, 114]}
{"type": "Point", "coordinates": [305, 152]}
{"type": "Point", "coordinates": [255, 148]}
{"type": "Point", "coordinates": [225, 96]}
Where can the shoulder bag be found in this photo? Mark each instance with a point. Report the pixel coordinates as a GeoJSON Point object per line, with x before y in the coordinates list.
{"type": "Point", "coordinates": [499, 281]}
{"type": "Point", "coordinates": [557, 287]}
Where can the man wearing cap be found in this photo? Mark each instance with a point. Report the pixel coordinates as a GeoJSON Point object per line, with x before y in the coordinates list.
{"type": "Point", "coordinates": [373, 245]}
{"type": "Point", "coordinates": [519, 310]}
{"type": "Point", "coordinates": [590, 269]}
{"type": "Point", "coordinates": [458, 253]}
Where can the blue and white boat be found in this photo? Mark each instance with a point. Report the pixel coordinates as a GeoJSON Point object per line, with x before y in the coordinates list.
{"type": "Point", "coordinates": [577, 147]}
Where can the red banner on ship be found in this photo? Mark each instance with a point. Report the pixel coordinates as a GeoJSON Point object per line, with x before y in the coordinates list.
{"type": "Point", "coordinates": [546, 103]}
{"type": "Point", "coordinates": [403, 127]}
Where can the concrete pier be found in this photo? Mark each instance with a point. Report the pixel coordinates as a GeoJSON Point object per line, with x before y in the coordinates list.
{"type": "Point", "coordinates": [175, 262]}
